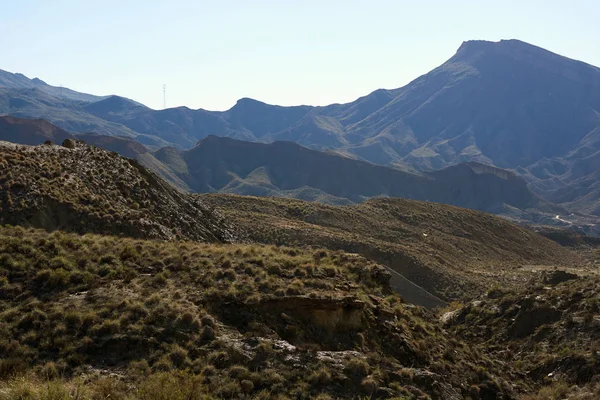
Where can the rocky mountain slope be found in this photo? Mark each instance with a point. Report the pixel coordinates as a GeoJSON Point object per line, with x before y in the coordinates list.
{"type": "Point", "coordinates": [452, 253]}
{"type": "Point", "coordinates": [19, 81]}
{"type": "Point", "coordinates": [309, 303]}
{"type": "Point", "coordinates": [82, 188]}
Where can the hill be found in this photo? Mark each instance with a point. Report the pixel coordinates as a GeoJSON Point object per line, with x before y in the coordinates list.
{"type": "Point", "coordinates": [82, 188]}
{"type": "Point", "coordinates": [451, 252]}
{"type": "Point", "coordinates": [286, 169]}
{"type": "Point", "coordinates": [31, 132]}
{"type": "Point", "coordinates": [182, 320]}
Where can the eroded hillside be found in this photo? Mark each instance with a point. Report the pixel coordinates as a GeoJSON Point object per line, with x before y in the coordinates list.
{"type": "Point", "coordinates": [84, 189]}
{"type": "Point", "coordinates": [453, 253]}
{"type": "Point", "coordinates": [107, 317]}
{"type": "Point", "coordinates": [549, 331]}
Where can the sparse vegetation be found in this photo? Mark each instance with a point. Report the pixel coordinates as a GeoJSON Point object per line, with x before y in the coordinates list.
{"type": "Point", "coordinates": [454, 253]}
{"type": "Point", "coordinates": [126, 317]}
{"type": "Point", "coordinates": [93, 316]}
{"type": "Point", "coordinates": [548, 332]}
{"type": "Point", "coordinates": [87, 189]}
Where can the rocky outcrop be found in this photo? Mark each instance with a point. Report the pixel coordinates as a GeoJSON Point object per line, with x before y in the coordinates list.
{"type": "Point", "coordinates": [328, 314]}
{"type": "Point", "coordinates": [557, 276]}
{"type": "Point", "coordinates": [527, 321]}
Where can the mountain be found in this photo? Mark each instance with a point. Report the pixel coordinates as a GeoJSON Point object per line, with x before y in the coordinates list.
{"type": "Point", "coordinates": [81, 188]}
{"type": "Point", "coordinates": [112, 277]}
{"type": "Point", "coordinates": [286, 169]}
{"type": "Point", "coordinates": [506, 104]}
{"type": "Point", "coordinates": [32, 98]}
{"type": "Point", "coordinates": [31, 132]}
{"type": "Point", "coordinates": [19, 81]}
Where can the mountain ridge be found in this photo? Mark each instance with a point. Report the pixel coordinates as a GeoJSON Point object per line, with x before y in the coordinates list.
{"type": "Point", "coordinates": [287, 169]}
{"type": "Point", "coordinates": [508, 104]}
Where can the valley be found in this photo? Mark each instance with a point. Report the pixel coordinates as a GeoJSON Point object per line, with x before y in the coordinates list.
{"type": "Point", "coordinates": [435, 241]}
{"type": "Point", "coordinates": [155, 303]}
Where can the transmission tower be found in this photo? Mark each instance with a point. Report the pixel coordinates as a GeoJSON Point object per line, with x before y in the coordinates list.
{"type": "Point", "coordinates": [164, 97]}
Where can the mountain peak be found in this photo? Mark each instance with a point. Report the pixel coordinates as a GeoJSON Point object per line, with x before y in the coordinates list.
{"type": "Point", "coordinates": [38, 81]}
{"type": "Point", "coordinates": [247, 101]}
{"type": "Point", "coordinates": [472, 48]}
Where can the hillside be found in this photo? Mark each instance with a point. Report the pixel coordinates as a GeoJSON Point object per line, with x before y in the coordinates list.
{"type": "Point", "coordinates": [549, 330]}
{"type": "Point", "coordinates": [311, 301]}
{"type": "Point", "coordinates": [138, 319]}
{"type": "Point", "coordinates": [31, 132]}
{"type": "Point", "coordinates": [451, 252]}
{"type": "Point", "coordinates": [82, 188]}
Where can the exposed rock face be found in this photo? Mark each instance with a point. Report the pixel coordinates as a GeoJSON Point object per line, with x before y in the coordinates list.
{"type": "Point", "coordinates": [328, 314]}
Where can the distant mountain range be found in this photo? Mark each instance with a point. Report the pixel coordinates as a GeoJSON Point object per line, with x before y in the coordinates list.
{"type": "Point", "coordinates": [505, 104]}
{"type": "Point", "coordinates": [286, 169]}
{"type": "Point", "coordinates": [20, 81]}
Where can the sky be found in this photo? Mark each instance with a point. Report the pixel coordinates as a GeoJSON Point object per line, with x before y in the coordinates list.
{"type": "Point", "coordinates": [209, 54]}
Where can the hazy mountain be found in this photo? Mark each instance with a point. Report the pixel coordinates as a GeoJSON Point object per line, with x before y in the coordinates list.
{"type": "Point", "coordinates": [32, 98]}
{"type": "Point", "coordinates": [504, 103]}
{"type": "Point", "coordinates": [508, 103]}
{"type": "Point", "coordinates": [32, 132]}
{"type": "Point", "coordinates": [19, 81]}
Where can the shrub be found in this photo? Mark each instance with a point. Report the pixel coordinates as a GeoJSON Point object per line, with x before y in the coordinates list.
{"type": "Point", "coordinates": [356, 367]}
{"type": "Point", "coordinates": [320, 377]}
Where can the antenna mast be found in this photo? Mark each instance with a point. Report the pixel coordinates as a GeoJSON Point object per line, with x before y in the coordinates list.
{"type": "Point", "coordinates": [164, 97]}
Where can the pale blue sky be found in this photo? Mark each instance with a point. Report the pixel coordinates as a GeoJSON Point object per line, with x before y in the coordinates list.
{"type": "Point", "coordinates": [211, 53]}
